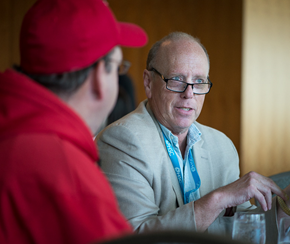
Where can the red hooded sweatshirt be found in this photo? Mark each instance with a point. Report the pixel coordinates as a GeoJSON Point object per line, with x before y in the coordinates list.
{"type": "Point", "coordinates": [51, 189]}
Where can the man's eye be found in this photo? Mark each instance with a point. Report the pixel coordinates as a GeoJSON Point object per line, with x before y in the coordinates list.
{"type": "Point", "coordinates": [199, 81]}
{"type": "Point", "coordinates": [178, 78]}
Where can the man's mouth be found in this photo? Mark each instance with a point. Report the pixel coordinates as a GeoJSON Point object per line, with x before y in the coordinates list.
{"type": "Point", "coordinates": [185, 109]}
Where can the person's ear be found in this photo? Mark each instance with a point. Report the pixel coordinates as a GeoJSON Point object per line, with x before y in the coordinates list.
{"type": "Point", "coordinates": [147, 79]}
{"type": "Point", "coordinates": [99, 79]}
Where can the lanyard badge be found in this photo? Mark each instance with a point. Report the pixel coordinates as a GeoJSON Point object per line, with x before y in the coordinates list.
{"type": "Point", "coordinates": [178, 173]}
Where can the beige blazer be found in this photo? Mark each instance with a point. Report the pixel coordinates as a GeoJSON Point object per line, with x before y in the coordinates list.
{"type": "Point", "coordinates": [136, 162]}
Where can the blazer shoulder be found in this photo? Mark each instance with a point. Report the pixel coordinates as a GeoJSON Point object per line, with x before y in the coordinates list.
{"type": "Point", "coordinates": [206, 129]}
{"type": "Point", "coordinates": [213, 136]}
{"type": "Point", "coordinates": [140, 116]}
{"type": "Point", "coordinates": [136, 126]}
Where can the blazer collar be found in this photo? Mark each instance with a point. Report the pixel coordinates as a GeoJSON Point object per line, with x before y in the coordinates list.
{"type": "Point", "coordinates": [174, 180]}
{"type": "Point", "coordinates": [202, 163]}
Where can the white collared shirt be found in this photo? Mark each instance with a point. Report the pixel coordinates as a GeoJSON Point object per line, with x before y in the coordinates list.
{"type": "Point", "coordinates": [193, 136]}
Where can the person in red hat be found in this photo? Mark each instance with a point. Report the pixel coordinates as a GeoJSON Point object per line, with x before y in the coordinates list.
{"type": "Point", "coordinates": [51, 189]}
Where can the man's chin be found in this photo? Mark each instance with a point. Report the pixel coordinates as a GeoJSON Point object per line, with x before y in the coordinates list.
{"type": "Point", "coordinates": [185, 124]}
{"type": "Point", "coordinates": [181, 128]}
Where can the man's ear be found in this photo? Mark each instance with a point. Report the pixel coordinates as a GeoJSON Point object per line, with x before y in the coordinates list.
{"type": "Point", "coordinates": [99, 79]}
{"type": "Point", "coordinates": [147, 79]}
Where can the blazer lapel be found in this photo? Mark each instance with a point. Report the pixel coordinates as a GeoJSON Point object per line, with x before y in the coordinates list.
{"type": "Point", "coordinates": [203, 161]}
{"type": "Point", "coordinates": [175, 183]}
{"type": "Point", "coordinates": [174, 180]}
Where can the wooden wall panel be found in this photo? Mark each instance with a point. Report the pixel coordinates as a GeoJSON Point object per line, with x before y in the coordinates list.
{"type": "Point", "coordinates": [11, 15]}
{"type": "Point", "coordinates": [218, 24]}
{"type": "Point", "coordinates": [5, 34]}
{"type": "Point", "coordinates": [266, 86]}
{"type": "Point", "coordinates": [19, 9]}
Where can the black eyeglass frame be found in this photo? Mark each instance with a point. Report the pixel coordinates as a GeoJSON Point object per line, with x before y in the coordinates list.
{"type": "Point", "coordinates": [187, 84]}
{"type": "Point", "coordinates": [123, 66]}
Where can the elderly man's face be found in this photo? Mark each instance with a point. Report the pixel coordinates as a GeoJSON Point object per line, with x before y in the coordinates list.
{"type": "Point", "coordinates": [177, 111]}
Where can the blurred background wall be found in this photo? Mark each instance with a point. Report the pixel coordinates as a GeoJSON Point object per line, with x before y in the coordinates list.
{"type": "Point", "coordinates": [248, 42]}
{"type": "Point", "coordinates": [265, 108]}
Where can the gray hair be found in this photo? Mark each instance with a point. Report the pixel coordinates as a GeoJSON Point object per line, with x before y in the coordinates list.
{"type": "Point", "coordinates": [174, 36]}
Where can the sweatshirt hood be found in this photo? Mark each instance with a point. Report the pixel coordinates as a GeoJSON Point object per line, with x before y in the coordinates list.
{"type": "Point", "coordinates": [27, 107]}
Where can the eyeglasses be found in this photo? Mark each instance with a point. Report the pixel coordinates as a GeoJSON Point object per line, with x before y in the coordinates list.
{"type": "Point", "coordinates": [123, 66]}
{"type": "Point", "coordinates": [175, 84]}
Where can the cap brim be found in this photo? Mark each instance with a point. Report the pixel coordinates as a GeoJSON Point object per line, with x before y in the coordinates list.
{"type": "Point", "coordinates": [132, 35]}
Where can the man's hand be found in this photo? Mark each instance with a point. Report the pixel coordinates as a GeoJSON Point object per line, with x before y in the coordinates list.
{"type": "Point", "coordinates": [208, 207]}
{"type": "Point", "coordinates": [249, 186]}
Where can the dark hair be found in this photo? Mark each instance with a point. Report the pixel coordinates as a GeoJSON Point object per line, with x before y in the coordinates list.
{"type": "Point", "coordinates": [174, 36]}
{"type": "Point", "coordinates": [66, 83]}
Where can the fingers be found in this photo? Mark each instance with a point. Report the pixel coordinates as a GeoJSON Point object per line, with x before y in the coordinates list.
{"type": "Point", "coordinates": [260, 188]}
{"type": "Point", "coordinates": [266, 187]}
{"type": "Point", "coordinates": [278, 191]}
{"type": "Point", "coordinates": [252, 185]}
{"type": "Point", "coordinates": [266, 194]}
{"type": "Point", "coordinates": [261, 199]}
{"type": "Point", "coordinates": [274, 188]}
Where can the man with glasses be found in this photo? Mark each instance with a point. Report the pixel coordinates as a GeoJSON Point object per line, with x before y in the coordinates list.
{"type": "Point", "coordinates": [51, 188]}
{"type": "Point", "coordinates": [169, 171]}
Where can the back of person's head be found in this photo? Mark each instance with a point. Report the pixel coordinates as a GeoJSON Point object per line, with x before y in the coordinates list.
{"type": "Point", "coordinates": [61, 40]}
{"type": "Point", "coordinates": [172, 37]}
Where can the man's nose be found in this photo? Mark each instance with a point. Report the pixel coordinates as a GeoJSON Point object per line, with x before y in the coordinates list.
{"type": "Point", "coordinates": [188, 93]}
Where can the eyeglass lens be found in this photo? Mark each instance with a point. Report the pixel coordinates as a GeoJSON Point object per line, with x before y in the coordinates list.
{"type": "Point", "coordinates": [178, 86]}
{"type": "Point", "coordinates": [123, 67]}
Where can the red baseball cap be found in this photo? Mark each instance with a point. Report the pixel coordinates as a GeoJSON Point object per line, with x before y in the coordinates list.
{"type": "Point", "coordinates": [60, 36]}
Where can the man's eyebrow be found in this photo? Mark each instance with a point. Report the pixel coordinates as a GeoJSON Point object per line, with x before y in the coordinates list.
{"type": "Point", "coordinates": [184, 76]}
{"type": "Point", "coordinates": [200, 77]}
{"type": "Point", "coordinates": [177, 75]}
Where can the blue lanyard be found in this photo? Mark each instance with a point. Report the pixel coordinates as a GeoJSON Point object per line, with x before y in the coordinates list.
{"type": "Point", "coordinates": [177, 170]}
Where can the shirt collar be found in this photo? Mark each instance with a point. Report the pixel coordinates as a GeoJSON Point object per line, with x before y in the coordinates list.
{"type": "Point", "coordinates": [193, 136]}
